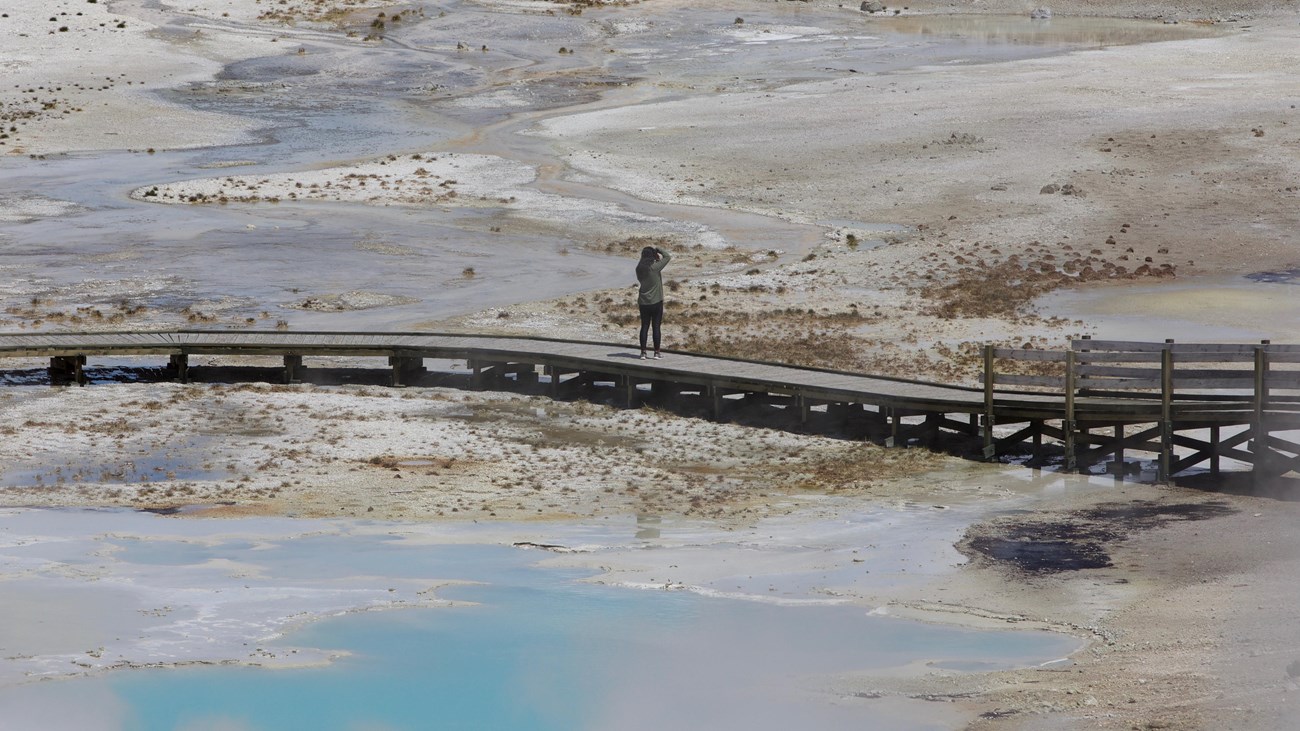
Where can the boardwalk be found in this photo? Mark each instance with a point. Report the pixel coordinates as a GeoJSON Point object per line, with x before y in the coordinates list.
{"type": "Point", "coordinates": [1187, 404]}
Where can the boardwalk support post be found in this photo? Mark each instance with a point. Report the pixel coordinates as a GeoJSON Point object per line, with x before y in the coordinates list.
{"type": "Point", "coordinates": [1166, 414]}
{"type": "Point", "coordinates": [476, 377]}
{"type": "Point", "coordinates": [179, 364]}
{"type": "Point", "coordinates": [990, 448]}
{"type": "Point", "coordinates": [68, 368]}
{"type": "Point", "coordinates": [1067, 426]}
{"type": "Point", "coordinates": [1214, 451]}
{"type": "Point", "coordinates": [1118, 463]}
{"type": "Point", "coordinates": [292, 368]}
{"type": "Point", "coordinates": [1259, 435]}
{"type": "Point", "coordinates": [404, 366]}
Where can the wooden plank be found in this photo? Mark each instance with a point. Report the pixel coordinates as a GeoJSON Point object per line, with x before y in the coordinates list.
{"type": "Point", "coordinates": [1054, 356]}
{"type": "Point", "coordinates": [1243, 382]}
{"type": "Point", "coordinates": [1219, 348]}
{"type": "Point", "coordinates": [1020, 379]}
{"type": "Point", "coordinates": [1117, 371]}
{"type": "Point", "coordinates": [1120, 383]}
{"type": "Point", "coordinates": [1121, 345]}
{"type": "Point", "coordinates": [1211, 373]}
{"type": "Point", "coordinates": [1282, 379]}
{"type": "Point", "coordinates": [1089, 358]}
{"type": "Point", "coordinates": [1215, 357]}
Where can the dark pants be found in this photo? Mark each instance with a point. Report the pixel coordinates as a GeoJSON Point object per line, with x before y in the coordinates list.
{"type": "Point", "coordinates": [651, 315]}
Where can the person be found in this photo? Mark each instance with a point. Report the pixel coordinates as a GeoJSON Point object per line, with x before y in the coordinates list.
{"type": "Point", "coordinates": [650, 300]}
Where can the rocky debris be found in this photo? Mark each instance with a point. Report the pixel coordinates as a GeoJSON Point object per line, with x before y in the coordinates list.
{"type": "Point", "coordinates": [960, 138]}
{"type": "Point", "coordinates": [349, 301]}
{"type": "Point", "coordinates": [1041, 14]}
{"type": "Point", "coordinates": [1063, 189]}
{"type": "Point", "coordinates": [870, 6]}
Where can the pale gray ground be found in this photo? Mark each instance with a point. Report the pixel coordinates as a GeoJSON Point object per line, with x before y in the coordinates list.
{"type": "Point", "coordinates": [889, 215]}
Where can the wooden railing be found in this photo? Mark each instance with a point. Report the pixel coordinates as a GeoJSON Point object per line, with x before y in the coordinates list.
{"type": "Point", "coordinates": [1194, 378]}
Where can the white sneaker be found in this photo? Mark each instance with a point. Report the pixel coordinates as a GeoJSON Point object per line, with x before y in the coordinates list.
{"type": "Point", "coordinates": [658, 357]}
{"type": "Point", "coordinates": [644, 356]}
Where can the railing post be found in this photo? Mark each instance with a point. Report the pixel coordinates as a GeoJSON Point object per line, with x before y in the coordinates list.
{"type": "Point", "coordinates": [990, 448]}
{"type": "Point", "coordinates": [1259, 430]}
{"type": "Point", "coordinates": [1067, 426]}
{"type": "Point", "coordinates": [1166, 413]}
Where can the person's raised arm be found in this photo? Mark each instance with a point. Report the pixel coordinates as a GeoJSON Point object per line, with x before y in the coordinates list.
{"type": "Point", "coordinates": [664, 257]}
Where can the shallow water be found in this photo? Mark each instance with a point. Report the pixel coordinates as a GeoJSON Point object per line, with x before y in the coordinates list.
{"type": "Point", "coordinates": [572, 657]}
{"type": "Point", "coordinates": [331, 100]}
{"type": "Point", "coordinates": [1225, 308]}
{"type": "Point", "coordinates": [523, 647]}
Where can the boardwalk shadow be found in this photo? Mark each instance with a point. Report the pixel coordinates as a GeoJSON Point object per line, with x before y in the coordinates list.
{"type": "Point", "coordinates": [1284, 488]}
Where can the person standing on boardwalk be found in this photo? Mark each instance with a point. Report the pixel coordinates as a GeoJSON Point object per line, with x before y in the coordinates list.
{"type": "Point", "coordinates": [650, 300]}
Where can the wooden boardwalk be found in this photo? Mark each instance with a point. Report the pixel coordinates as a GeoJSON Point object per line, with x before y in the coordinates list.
{"type": "Point", "coordinates": [1187, 404]}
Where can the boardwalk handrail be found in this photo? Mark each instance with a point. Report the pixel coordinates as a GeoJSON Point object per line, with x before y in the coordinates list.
{"type": "Point", "coordinates": [9, 349]}
{"type": "Point", "coordinates": [1188, 381]}
{"type": "Point", "coordinates": [1064, 395]}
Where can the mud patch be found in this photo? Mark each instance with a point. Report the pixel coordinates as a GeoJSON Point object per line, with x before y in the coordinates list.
{"type": "Point", "coordinates": [1079, 540]}
{"type": "Point", "coordinates": [1280, 276]}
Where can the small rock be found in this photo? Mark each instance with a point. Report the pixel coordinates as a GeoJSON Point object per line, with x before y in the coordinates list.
{"type": "Point", "coordinates": [870, 6]}
{"type": "Point", "coordinates": [1041, 14]}
{"type": "Point", "coordinates": [998, 186]}
{"type": "Point", "coordinates": [1050, 188]}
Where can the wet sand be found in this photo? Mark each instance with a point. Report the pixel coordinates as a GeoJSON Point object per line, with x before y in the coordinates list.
{"type": "Point", "coordinates": [894, 210]}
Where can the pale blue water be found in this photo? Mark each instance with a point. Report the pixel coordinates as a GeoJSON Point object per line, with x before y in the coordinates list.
{"type": "Point", "coordinates": [543, 650]}
{"type": "Point", "coordinates": [524, 647]}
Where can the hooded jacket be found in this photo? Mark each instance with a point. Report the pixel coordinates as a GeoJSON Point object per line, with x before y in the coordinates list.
{"type": "Point", "coordinates": [650, 274]}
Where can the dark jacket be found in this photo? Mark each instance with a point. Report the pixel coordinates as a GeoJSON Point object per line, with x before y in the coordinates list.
{"type": "Point", "coordinates": [649, 273]}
